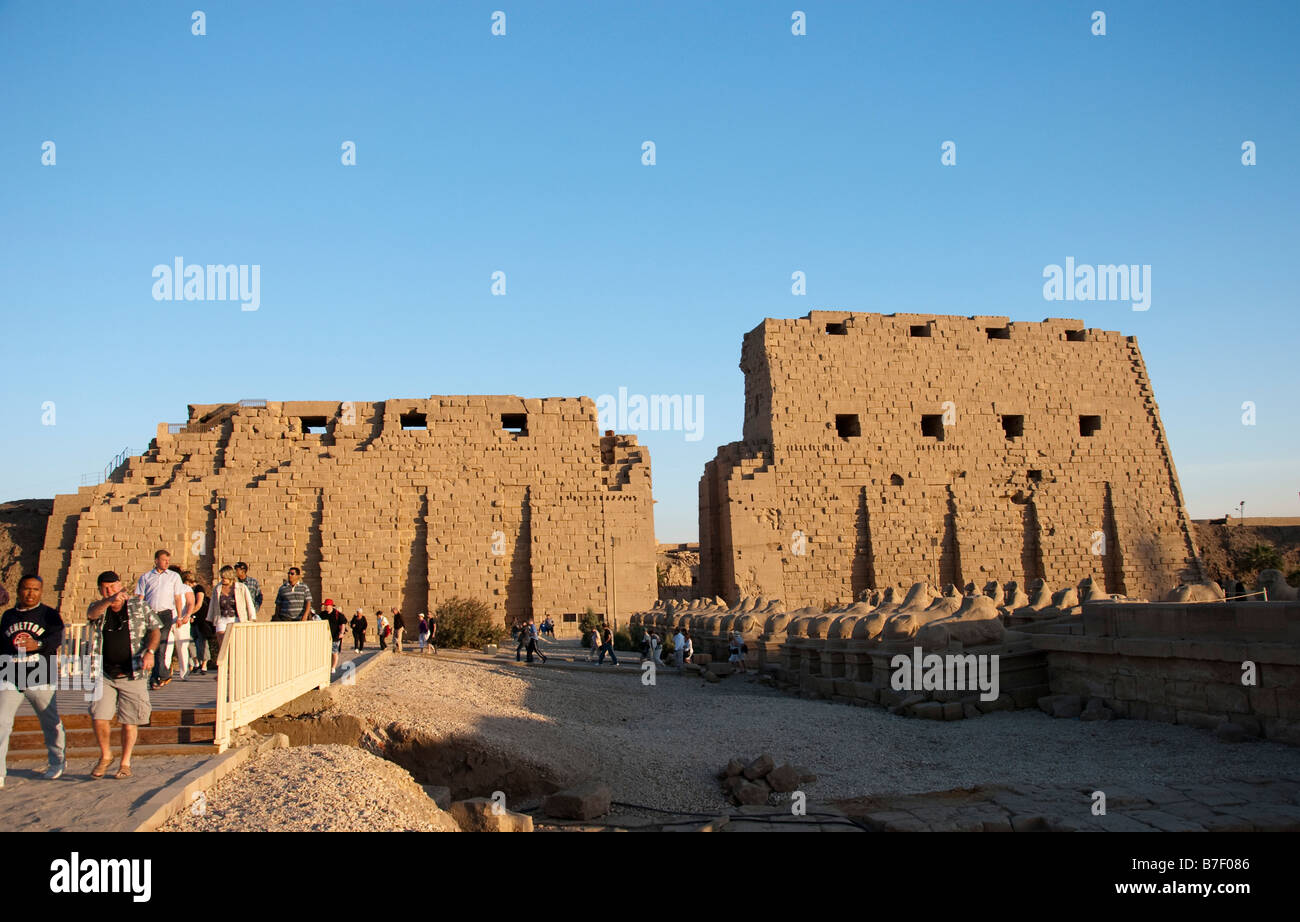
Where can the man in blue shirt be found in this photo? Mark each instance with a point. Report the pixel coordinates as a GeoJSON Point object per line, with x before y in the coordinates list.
{"type": "Point", "coordinates": [293, 601]}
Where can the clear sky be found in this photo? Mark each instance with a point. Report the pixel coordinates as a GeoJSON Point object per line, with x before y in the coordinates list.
{"type": "Point", "coordinates": [523, 153]}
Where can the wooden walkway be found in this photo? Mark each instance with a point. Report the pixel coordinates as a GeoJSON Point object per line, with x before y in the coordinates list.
{"type": "Point", "coordinates": [195, 692]}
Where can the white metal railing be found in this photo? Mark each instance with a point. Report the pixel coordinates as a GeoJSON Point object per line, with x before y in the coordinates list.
{"type": "Point", "coordinates": [76, 641]}
{"type": "Point", "coordinates": [263, 665]}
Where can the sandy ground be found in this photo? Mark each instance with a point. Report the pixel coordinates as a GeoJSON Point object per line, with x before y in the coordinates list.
{"type": "Point", "coordinates": [661, 745]}
{"type": "Point", "coordinates": [315, 789]}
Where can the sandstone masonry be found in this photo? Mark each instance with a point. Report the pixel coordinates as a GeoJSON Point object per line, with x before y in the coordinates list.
{"type": "Point", "coordinates": [882, 449]}
{"type": "Point", "coordinates": [518, 502]}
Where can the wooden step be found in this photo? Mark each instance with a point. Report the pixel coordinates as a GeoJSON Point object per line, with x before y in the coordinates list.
{"type": "Point", "coordinates": [80, 720]}
{"type": "Point", "coordinates": [82, 759]}
{"type": "Point", "coordinates": [149, 735]}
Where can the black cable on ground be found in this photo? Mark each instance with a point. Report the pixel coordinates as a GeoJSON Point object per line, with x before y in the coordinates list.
{"type": "Point", "coordinates": [832, 819]}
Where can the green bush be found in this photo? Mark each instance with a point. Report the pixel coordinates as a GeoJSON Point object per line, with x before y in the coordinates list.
{"type": "Point", "coordinates": [467, 623]}
{"type": "Point", "coordinates": [586, 623]}
{"type": "Point", "coordinates": [623, 642]}
{"type": "Point", "coordinates": [1259, 557]}
{"type": "Point", "coordinates": [1293, 578]}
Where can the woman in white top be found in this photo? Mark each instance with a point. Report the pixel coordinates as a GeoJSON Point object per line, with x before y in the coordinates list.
{"type": "Point", "coordinates": [178, 638]}
{"type": "Point", "coordinates": [231, 603]}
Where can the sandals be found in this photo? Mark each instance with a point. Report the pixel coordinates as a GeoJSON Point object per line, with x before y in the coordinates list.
{"type": "Point", "coordinates": [101, 768]}
{"type": "Point", "coordinates": [123, 771]}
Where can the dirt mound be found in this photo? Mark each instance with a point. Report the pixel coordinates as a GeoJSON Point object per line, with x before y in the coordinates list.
{"type": "Point", "coordinates": [22, 534]}
{"type": "Point", "coordinates": [1223, 546]}
{"type": "Point", "coordinates": [315, 789]}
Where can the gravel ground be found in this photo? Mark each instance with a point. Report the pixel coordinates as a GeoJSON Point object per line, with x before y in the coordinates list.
{"type": "Point", "coordinates": [316, 789]}
{"type": "Point", "coordinates": [661, 745]}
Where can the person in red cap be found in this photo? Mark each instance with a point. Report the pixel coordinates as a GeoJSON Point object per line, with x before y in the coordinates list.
{"type": "Point", "coordinates": [337, 621]}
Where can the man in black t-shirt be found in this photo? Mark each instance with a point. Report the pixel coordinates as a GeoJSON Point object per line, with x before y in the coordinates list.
{"type": "Point", "coordinates": [30, 637]}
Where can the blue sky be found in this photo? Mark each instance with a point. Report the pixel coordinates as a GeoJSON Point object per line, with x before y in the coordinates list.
{"type": "Point", "coordinates": [522, 153]}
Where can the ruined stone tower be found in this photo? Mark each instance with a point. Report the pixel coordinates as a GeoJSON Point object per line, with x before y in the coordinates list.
{"type": "Point", "coordinates": [521, 503]}
{"type": "Point", "coordinates": [882, 449]}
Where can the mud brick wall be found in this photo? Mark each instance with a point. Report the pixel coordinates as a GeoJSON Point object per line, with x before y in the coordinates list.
{"type": "Point", "coordinates": [1051, 441]}
{"type": "Point", "coordinates": [519, 502]}
{"type": "Point", "coordinates": [1183, 663]}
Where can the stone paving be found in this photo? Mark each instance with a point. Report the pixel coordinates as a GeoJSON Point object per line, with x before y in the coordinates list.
{"type": "Point", "coordinates": [1253, 804]}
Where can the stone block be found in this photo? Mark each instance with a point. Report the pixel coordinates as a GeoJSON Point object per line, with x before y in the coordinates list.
{"type": "Point", "coordinates": [783, 779]}
{"type": "Point", "coordinates": [481, 814]}
{"type": "Point", "coordinates": [582, 802]}
{"type": "Point", "coordinates": [759, 767]}
{"type": "Point", "coordinates": [865, 691]}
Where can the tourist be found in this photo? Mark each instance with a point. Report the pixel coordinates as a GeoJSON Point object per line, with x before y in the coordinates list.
{"type": "Point", "coordinates": [337, 621]}
{"type": "Point", "coordinates": [595, 644]}
{"type": "Point", "coordinates": [200, 629]}
{"type": "Point", "coordinates": [164, 593]}
{"type": "Point", "coordinates": [399, 628]}
{"type": "Point", "coordinates": [178, 638]}
{"type": "Point", "coordinates": [422, 631]}
{"type": "Point", "coordinates": [30, 627]}
{"type": "Point", "coordinates": [532, 642]}
{"type": "Point", "coordinates": [359, 626]}
{"type": "Point", "coordinates": [382, 628]}
{"type": "Point", "coordinates": [433, 634]}
{"type": "Point", "coordinates": [231, 603]}
{"type": "Point", "coordinates": [124, 638]}
{"type": "Point", "coordinates": [690, 647]}
{"type": "Point", "coordinates": [293, 601]}
{"type": "Point", "coordinates": [253, 586]}
{"type": "Point", "coordinates": [521, 641]}
{"type": "Point", "coordinates": [607, 646]}
{"type": "Point", "coordinates": [645, 648]}
{"type": "Point", "coordinates": [679, 648]}
{"type": "Point", "coordinates": [738, 650]}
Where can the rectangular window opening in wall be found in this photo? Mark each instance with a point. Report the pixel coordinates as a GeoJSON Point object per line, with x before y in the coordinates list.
{"type": "Point", "coordinates": [1075, 336]}
{"type": "Point", "coordinates": [932, 426]}
{"type": "Point", "coordinates": [415, 420]}
{"type": "Point", "coordinates": [515, 423]}
{"type": "Point", "coordinates": [837, 329]}
{"type": "Point", "coordinates": [998, 332]}
{"type": "Point", "coordinates": [1036, 476]}
{"type": "Point", "coordinates": [921, 329]}
{"type": "Point", "coordinates": [1089, 426]}
{"type": "Point", "coordinates": [847, 425]}
{"type": "Point", "coordinates": [313, 425]}
{"type": "Point", "coordinates": [570, 617]}
{"type": "Point", "coordinates": [1013, 426]}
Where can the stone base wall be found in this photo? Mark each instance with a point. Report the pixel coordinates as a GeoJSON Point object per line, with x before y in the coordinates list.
{"type": "Point", "coordinates": [1185, 664]}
